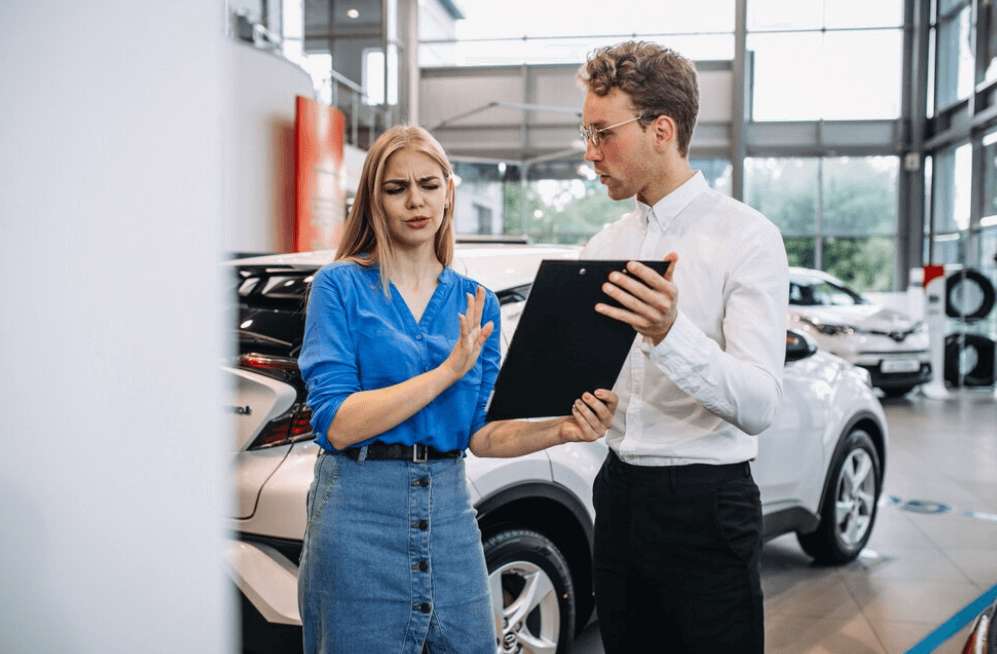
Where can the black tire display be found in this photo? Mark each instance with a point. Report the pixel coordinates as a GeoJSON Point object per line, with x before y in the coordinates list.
{"type": "Point", "coordinates": [848, 510]}
{"type": "Point", "coordinates": [538, 598]}
{"type": "Point", "coordinates": [969, 295]}
{"type": "Point", "coordinates": [969, 360]}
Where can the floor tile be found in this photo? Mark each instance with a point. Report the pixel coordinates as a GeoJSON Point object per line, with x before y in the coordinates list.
{"type": "Point", "coordinates": [902, 600]}
{"type": "Point", "coordinates": [793, 635]}
{"type": "Point", "coordinates": [895, 529]}
{"type": "Point", "coordinates": [980, 566]}
{"type": "Point", "coordinates": [898, 637]}
{"type": "Point", "coordinates": [814, 598]}
{"type": "Point", "coordinates": [915, 565]}
{"type": "Point", "coordinates": [955, 531]}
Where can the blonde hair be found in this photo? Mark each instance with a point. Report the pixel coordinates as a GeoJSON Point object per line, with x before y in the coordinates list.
{"type": "Point", "coordinates": [366, 239]}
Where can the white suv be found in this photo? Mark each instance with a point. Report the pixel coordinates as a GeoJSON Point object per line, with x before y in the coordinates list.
{"type": "Point", "coordinates": [820, 468]}
{"type": "Point", "coordinates": [889, 344]}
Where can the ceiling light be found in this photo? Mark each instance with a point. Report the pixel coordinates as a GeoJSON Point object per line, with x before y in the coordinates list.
{"type": "Point", "coordinates": [353, 13]}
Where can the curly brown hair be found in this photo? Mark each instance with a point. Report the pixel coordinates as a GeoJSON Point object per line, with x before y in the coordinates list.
{"type": "Point", "coordinates": [660, 82]}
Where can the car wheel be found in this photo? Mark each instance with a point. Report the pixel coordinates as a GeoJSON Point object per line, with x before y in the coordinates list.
{"type": "Point", "coordinates": [848, 510]}
{"type": "Point", "coordinates": [533, 596]}
{"type": "Point", "coordinates": [897, 391]}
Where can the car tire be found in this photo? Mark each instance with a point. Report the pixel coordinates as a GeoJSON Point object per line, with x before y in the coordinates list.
{"type": "Point", "coordinates": [848, 510]}
{"type": "Point", "coordinates": [538, 598]}
{"type": "Point", "coordinates": [897, 391]}
{"type": "Point", "coordinates": [970, 287]}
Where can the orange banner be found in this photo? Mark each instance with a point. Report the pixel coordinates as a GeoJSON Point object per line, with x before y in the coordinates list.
{"type": "Point", "coordinates": [319, 175]}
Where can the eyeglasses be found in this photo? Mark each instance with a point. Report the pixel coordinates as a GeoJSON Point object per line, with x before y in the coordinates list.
{"type": "Point", "coordinates": [588, 133]}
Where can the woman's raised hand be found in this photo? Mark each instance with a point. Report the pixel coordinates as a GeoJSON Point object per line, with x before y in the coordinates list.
{"type": "Point", "coordinates": [472, 336]}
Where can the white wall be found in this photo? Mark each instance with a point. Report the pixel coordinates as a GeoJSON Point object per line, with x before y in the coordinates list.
{"type": "Point", "coordinates": [259, 148]}
{"type": "Point", "coordinates": [111, 488]}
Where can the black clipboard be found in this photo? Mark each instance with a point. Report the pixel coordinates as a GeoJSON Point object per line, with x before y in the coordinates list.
{"type": "Point", "coordinates": [562, 347]}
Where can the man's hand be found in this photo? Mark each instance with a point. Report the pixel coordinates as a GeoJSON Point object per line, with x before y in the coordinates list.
{"type": "Point", "coordinates": [650, 307]}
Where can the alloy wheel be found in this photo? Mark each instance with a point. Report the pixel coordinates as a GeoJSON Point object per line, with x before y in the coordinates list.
{"type": "Point", "coordinates": [525, 604]}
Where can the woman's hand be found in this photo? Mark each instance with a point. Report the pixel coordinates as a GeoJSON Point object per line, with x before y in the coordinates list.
{"type": "Point", "coordinates": [472, 337]}
{"type": "Point", "coordinates": [591, 417]}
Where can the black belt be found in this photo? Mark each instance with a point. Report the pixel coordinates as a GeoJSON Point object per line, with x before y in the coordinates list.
{"type": "Point", "coordinates": [692, 474]}
{"type": "Point", "coordinates": [394, 451]}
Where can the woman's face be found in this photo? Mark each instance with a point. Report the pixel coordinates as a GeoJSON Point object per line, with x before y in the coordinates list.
{"type": "Point", "coordinates": [414, 193]}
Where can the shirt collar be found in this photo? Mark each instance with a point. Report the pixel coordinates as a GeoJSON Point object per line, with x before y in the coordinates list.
{"type": "Point", "coordinates": [665, 210]}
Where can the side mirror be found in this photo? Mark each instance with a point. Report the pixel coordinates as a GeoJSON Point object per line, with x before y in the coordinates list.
{"type": "Point", "coordinates": [798, 346]}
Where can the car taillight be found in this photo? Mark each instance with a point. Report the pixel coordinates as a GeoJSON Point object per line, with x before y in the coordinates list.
{"type": "Point", "coordinates": [291, 427]}
{"type": "Point", "coordinates": [279, 367]}
{"type": "Point", "coordinates": [295, 424]}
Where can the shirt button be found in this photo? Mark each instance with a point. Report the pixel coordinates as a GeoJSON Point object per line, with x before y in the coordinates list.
{"type": "Point", "coordinates": [421, 481]}
{"type": "Point", "coordinates": [425, 607]}
{"type": "Point", "coordinates": [423, 566]}
{"type": "Point", "coordinates": [418, 337]}
{"type": "Point", "coordinates": [423, 524]}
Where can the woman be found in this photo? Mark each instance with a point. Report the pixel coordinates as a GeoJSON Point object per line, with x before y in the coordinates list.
{"type": "Point", "coordinates": [399, 368]}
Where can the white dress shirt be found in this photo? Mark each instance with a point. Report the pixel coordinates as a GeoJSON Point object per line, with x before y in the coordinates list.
{"type": "Point", "coordinates": [715, 380]}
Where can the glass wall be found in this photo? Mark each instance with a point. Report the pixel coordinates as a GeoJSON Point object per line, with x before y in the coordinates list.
{"type": "Point", "coordinates": [527, 31]}
{"type": "Point", "coordinates": [837, 214]}
{"type": "Point", "coordinates": [955, 58]}
{"type": "Point", "coordinates": [558, 202]}
{"type": "Point", "coordinates": [805, 55]}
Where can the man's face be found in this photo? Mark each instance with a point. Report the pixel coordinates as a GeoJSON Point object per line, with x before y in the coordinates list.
{"type": "Point", "coordinates": [624, 158]}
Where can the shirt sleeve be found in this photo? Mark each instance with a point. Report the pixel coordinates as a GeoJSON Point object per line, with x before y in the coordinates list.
{"type": "Point", "coordinates": [490, 360]}
{"type": "Point", "coordinates": [741, 382]}
{"type": "Point", "coordinates": [328, 360]}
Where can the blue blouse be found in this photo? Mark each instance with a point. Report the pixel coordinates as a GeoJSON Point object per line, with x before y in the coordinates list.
{"type": "Point", "coordinates": [358, 339]}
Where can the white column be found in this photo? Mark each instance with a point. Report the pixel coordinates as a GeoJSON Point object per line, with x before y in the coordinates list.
{"type": "Point", "coordinates": [112, 495]}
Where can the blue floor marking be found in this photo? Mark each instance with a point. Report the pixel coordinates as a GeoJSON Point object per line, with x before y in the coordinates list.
{"type": "Point", "coordinates": [954, 624]}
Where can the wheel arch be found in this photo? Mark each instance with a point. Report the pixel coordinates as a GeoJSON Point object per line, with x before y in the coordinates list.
{"type": "Point", "coordinates": [555, 512]}
{"type": "Point", "coordinates": [868, 422]}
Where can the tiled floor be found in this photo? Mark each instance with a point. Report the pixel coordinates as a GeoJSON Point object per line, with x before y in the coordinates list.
{"type": "Point", "coordinates": [926, 560]}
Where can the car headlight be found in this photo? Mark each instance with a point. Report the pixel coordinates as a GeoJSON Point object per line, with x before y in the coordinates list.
{"type": "Point", "coordinates": [865, 375]}
{"type": "Point", "coordinates": [829, 328]}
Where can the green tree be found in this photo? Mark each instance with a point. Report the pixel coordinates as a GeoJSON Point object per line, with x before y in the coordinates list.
{"type": "Point", "coordinates": [569, 217]}
{"type": "Point", "coordinates": [858, 213]}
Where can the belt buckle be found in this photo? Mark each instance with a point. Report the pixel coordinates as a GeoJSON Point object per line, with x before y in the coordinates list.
{"type": "Point", "coordinates": [416, 449]}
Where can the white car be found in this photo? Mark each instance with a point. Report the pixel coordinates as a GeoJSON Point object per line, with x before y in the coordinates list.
{"type": "Point", "coordinates": [820, 468]}
{"type": "Point", "coordinates": [892, 346]}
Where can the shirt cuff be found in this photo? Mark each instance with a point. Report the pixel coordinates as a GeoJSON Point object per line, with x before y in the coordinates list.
{"type": "Point", "coordinates": [671, 354]}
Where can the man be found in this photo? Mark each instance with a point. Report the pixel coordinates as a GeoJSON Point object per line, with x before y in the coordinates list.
{"type": "Point", "coordinates": [678, 517]}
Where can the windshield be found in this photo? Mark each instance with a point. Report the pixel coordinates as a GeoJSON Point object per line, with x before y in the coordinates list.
{"type": "Point", "coordinates": [822, 293]}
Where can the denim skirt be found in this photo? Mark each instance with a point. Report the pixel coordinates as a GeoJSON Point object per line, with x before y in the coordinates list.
{"type": "Point", "coordinates": [392, 561]}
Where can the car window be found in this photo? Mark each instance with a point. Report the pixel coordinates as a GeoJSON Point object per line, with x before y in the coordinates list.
{"type": "Point", "coordinates": [271, 308]}
{"type": "Point", "coordinates": [512, 295]}
{"type": "Point", "coordinates": [822, 293]}
{"type": "Point", "coordinates": [832, 295]}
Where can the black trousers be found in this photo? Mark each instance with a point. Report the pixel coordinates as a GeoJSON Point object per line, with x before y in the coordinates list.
{"type": "Point", "coordinates": [677, 559]}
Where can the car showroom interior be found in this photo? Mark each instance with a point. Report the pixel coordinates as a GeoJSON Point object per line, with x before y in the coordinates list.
{"type": "Point", "coordinates": [175, 176]}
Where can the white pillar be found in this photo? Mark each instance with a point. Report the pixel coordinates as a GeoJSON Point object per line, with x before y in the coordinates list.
{"type": "Point", "coordinates": [112, 496]}
{"type": "Point", "coordinates": [934, 312]}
